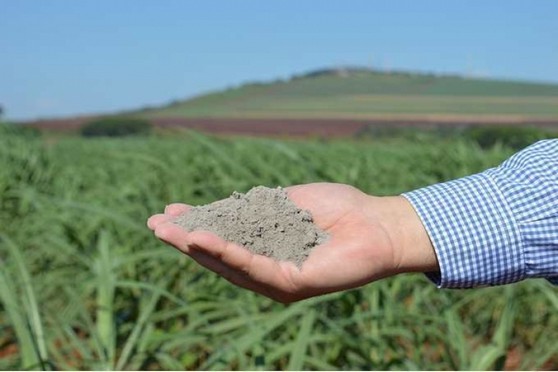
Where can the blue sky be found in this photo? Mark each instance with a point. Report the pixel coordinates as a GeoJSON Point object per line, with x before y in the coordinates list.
{"type": "Point", "coordinates": [65, 57]}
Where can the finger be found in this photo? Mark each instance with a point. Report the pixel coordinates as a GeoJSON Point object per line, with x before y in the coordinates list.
{"type": "Point", "coordinates": [258, 268]}
{"type": "Point", "coordinates": [156, 220]}
{"type": "Point", "coordinates": [176, 209]}
{"type": "Point", "coordinates": [234, 276]}
{"type": "Point", "coordinates": [179, 239]}
{"type": "Point", "coordinates": [171, 210]}
{"type": "Point", "coordinates": [229, 253]}
{"type": "Point", "coordinates": [173, 235]}
{"type": "Point", "coordinates": [261, 270]}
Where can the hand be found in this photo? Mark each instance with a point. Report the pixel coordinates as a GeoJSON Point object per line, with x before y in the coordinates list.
{"type": "Point", "coordinates": [370, 238]}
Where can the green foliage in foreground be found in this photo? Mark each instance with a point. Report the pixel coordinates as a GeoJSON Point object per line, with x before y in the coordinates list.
{"type": "Point", "coordinates": [84, 285]}
{"type": "Point", "coordinates": [117, 126]}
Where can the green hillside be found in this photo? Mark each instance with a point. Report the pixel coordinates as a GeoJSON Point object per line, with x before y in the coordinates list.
{"type": "Point", "coordinates": [361, 93]}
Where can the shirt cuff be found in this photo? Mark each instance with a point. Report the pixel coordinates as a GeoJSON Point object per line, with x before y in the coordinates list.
{"type": "Point", "coordinates": [473, 231]}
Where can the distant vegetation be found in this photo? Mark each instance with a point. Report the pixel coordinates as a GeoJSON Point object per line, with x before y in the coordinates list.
{"type": "Point", "coordinates": [486, 136]}
{"type": "Point", "coordinates": [351, 70]}
{"type": "Point", "coordinates": [22, 130]}
{"type": "Point", "coordinates": [117, 126]}
{"type": "Point", "coordinates": [514, 137]}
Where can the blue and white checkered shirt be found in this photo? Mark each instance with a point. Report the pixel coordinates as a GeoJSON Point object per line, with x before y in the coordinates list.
{"type": "Point", "coordinates": [496, 227]}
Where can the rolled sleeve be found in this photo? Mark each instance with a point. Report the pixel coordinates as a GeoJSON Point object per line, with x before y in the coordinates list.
{"type": "Point", "coordinates": [496, 227]}
{"type": "Point", "coordinates": [473, 231]}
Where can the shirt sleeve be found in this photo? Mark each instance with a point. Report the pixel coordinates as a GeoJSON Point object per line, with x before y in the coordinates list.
{"type": "Point", "coordinates": [496, 227]}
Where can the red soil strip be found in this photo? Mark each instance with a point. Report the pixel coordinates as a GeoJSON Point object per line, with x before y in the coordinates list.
{"type": "Point", "coordinates": [298, 127]}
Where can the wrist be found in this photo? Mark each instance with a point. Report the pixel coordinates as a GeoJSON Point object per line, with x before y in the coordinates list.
{"type": "Point", "coordinates": [413, 250]}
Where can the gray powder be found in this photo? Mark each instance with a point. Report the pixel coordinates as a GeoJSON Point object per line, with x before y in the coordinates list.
{"type": "Point", "coordinates": [264, 220]}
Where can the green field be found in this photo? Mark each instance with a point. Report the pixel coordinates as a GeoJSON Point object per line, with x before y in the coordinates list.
{"type": "Point", "coordinates": [366, 94]}
{"type": "Point", "coordinates": [84, 284]}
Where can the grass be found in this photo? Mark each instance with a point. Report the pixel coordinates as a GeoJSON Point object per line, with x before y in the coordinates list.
{"type": "Point", "coordinates": [84, 285]}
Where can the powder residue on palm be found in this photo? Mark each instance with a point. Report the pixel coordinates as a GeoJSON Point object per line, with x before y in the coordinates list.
{"type": "Point", "coordinates": [264, 220]}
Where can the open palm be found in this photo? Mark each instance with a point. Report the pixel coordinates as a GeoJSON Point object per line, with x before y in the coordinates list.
{"type": "Point", "coordinates": [360, 248]}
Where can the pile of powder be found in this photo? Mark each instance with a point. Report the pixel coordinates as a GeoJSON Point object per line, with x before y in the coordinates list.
{"type": "Point", "coordinates": [264, 220]}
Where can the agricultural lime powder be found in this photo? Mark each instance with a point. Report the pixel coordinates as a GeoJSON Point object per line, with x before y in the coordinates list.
{"type": "Point", "coordinates": [264, 220]}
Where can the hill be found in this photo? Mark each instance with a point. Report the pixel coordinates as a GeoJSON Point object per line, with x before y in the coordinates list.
{"type": "Point", "coordinates": [359, 93]}
{"type": "Point", "coordinates": [348, 101]}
